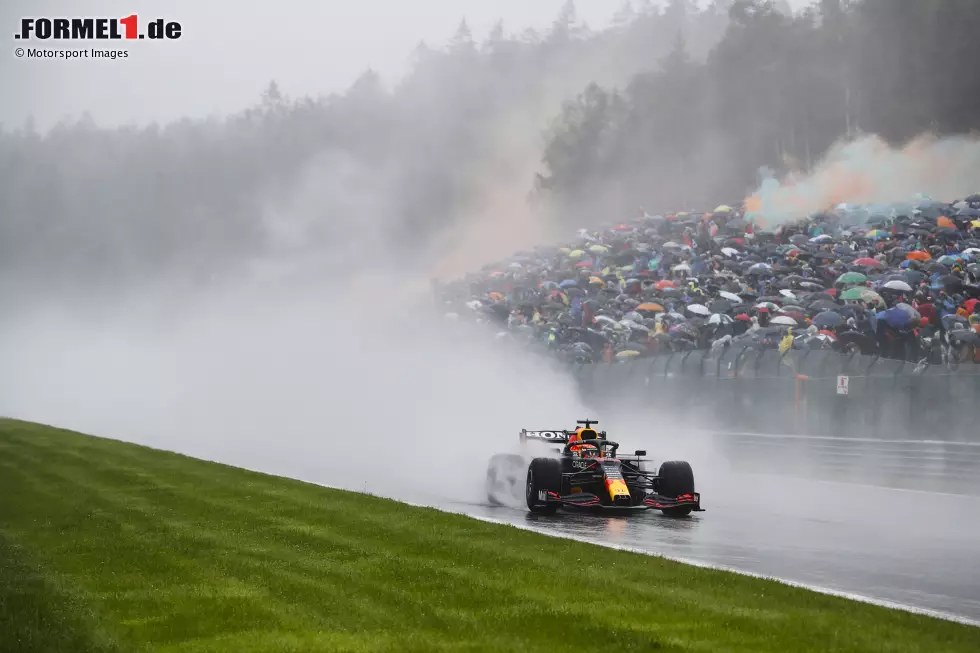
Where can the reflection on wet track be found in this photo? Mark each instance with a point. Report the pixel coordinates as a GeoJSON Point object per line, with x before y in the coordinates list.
{"type": "Point", "coordinates": [913, 548]}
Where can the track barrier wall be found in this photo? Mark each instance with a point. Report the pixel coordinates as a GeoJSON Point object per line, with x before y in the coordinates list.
{"type": "Point", "coordinates": [846, 416]}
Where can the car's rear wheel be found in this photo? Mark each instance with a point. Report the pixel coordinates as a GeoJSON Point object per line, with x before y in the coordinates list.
{"type": "Point", "coordinates": [543, 476]}
{"type": "Point", "coordinates": [675, 478]}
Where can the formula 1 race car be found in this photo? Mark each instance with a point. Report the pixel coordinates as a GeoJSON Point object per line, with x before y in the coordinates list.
{"type": "Point", "coordinates": [587, 474]}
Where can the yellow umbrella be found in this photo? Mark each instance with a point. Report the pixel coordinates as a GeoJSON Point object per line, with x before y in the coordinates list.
{"type": "Point", "coordinates": [564, 250]}
{"type": "Point", "coordinates": [629, 353]}
{"type": "Point", "coordinates": [598, 281]}
{"type": "Point", "coordinates": [724, 208]}
{"type": "Point", "coordinates": [598, 249]}
{"type": "Point", "coordinates": [578, 253]}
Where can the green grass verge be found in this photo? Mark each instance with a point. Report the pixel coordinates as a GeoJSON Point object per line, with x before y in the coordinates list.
{"type": "Point", "coordinates": [107, 546]}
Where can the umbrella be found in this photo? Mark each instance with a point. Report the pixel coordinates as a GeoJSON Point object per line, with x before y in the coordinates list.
{"type": "Point", "coordinates": [895, 318]}
{"type": "Point", "coordinates": [720, 306]}
{"type": "Point", "coordinates": [912, 313]}
{"type": "Point", "coordinates": [851, 278]}
{"type": "Point", "coordinates": [730, 251]}
{"type": "Point", "coordinates": [898, 285]}
{"type": "Point", "coordinates": [964, 336]}
{"type": "Point", "coordinates": [578, 253]}
{"type": "Point", "coordinates": [852, 295]}
{"type": "Point", "coordinates": [783, 320]}
{"type": "Point", "coordinates": [598, 249]}
{"type": "Point", "coordinates": [918, 255]}
{"type": "Point", "coordinates": [660, 285]}
{"type": "Point", "coordinates": [699, 309]}
{"type": "Point", "coordinates": [827, 320]}
{"type": "Point", "coordinates": [914, 276]}
{"type": "Point", "coordinates": [810, 285]}
{"type": "Point", "coordinates": [627, 353]}
{"type": "Point", "coordinates": [720, 318]}
{"type": "Point", "coordinates": [650, 307]}
{"type": "Point", "coordinates": [730, 296]}
{"type": "Point", "coordinates": [867, 262]}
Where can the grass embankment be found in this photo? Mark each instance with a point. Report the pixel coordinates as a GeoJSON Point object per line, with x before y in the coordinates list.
{"type": "Point", "coordinates": [106, 546]}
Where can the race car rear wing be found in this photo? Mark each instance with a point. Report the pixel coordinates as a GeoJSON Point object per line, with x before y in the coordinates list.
{"type": "Point", "coordinates": [559, 436]}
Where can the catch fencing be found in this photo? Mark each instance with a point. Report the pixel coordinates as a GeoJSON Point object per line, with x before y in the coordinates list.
{"type": "Point", "coordinates": [860, 417]}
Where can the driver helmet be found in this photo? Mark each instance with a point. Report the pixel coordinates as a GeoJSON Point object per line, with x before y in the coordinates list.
{"type": "Point", "coordinates": [584, 450]}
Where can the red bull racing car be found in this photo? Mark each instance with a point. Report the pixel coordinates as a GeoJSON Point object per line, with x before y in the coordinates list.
{"type": "Point", "coordinates": [588, 474]}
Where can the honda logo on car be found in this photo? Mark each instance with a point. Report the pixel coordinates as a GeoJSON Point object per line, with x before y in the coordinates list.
{"type": "Point", "coordinates": [80, 29]}
{"type": "Point", "coordinates": [545, 435]}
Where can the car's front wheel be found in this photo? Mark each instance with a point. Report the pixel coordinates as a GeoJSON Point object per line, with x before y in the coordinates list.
{"type": "Point", "coordinates": [674, 479]}
{"type": "Point", "coordinates": [543, 476]}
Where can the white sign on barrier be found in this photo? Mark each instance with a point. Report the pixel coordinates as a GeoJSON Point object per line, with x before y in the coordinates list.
{"type": "Point", "coordinates": [842, 382]}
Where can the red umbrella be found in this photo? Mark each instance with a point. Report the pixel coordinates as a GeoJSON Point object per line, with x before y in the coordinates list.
{"type": "Point", "coordinates": [828, 333]}
{"type": "Point", "coordinates": [743, 317]}
{"type": "Point", "coordinates": [867, 261]}
{"type": "Point", "coordinates": [584, 264]}
{"type": "Point", "coordinates": [660, 285]}
{"type": "Point", "coordinates": [622, 227]}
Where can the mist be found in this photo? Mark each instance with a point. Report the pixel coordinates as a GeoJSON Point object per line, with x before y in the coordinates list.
{"type": "Point", "coordinates": [289, 383]}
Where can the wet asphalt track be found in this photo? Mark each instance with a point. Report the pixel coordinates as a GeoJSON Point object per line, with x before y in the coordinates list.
{"type": "Point", "coordinates": [915, 548]}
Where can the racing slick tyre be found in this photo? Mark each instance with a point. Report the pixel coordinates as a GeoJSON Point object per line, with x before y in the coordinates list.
{"type": "Point", "coordinates": [676, 478]}
{"type": "Point", "coordinates": [543, 475]}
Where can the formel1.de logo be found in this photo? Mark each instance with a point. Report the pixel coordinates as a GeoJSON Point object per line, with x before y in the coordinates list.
{"type": "Point", "coordinates": [82, 29]}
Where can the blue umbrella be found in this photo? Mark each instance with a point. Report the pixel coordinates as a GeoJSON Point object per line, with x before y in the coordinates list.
{"type": "Point", "coordinates": [895, 317]}
{"type": "Point", "coordinates": [567, 283]}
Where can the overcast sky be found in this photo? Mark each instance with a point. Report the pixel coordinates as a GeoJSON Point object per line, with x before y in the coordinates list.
{"type": "Point", "coordinates": [229, 51]}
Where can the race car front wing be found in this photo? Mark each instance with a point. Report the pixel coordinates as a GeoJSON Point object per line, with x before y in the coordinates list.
{"type": "Point", "coordinates": [655, 501]}
{"type": "Point", "coordinates": [660, 502]}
